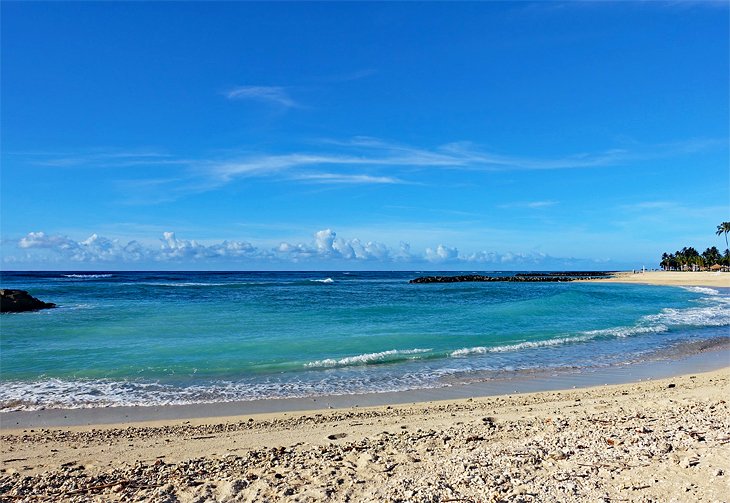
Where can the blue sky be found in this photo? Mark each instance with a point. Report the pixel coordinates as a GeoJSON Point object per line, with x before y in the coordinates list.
{"type": "Point", "coordinates": [469, 136]}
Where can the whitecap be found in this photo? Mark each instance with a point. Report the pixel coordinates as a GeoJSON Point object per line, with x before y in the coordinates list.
{"type": "Point", "coordinates": [87, 276]}
{"type": "Point", "coordinates": [520, 345]}
{"type": "Point", "coordinates": [628, 331]}
{"type": "Point", "coordinates": [702, 289]}
{"type": "Point", "coordinates": [363, 359]}
{"type": "Point", "coordinates": [715, 315]}
{"type": "Point", "coordinates": [325, 280]}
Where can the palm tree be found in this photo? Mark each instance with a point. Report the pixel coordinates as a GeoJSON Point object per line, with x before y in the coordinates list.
{"type": "Point", "coordinates": [723, 228]}
{"type": "Point", "coordinates": [711, 256]}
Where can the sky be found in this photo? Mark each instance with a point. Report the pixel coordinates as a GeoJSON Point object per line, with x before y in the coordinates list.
{"type": "Point", "coordinates": [371, 136]}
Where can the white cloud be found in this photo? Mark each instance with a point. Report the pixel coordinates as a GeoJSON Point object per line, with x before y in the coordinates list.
{"type": "Point", "coordinates": [326, 247]}
{"type": "Point", "coordinates": [93, 249]}
{"type": "Point", "coordinates": [42, 240]}
{"type": "Point", "coordinates": [271, 94]}
{"type": "Point", "coordinates": [183, 249]}
{"type": "Point", "coordinates": [441, 254]}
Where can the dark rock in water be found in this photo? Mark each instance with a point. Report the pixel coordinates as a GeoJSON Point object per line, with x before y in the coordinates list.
{"type": "Point", "coordinates": [571, 274]}
{"type": "Point", "coordinates": [517, 278]}
{"type": "Point", "coordinates": [18, 301]}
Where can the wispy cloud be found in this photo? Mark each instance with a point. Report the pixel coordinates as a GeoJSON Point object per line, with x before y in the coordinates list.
{"type": "Point", "coordinates": [271, 94]}
{"type": "Point", "coordinates": [336, 178]}
{"type": "Point", "coordinates": [529, 204]}
{"type": "Point", "coordinates": [649, 205]}
{"type": "Point", "coordinates": [103, 158]}
{"type": "Point", "coordinates": [357, 160]}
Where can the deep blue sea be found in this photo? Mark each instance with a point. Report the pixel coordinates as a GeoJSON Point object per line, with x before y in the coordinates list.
{"type": "Point", "coordinates": [151, 338]}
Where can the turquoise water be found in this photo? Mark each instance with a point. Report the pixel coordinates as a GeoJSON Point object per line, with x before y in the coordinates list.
{"type": "Point", "coordinates": [158, 338]}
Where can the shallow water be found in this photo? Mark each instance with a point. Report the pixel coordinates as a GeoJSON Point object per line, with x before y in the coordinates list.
{"type": "Point", "coordinates": [158, 338]}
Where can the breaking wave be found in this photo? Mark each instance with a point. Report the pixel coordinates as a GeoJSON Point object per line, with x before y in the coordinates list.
{"type": "Point", "coordinates": [87, 276]}
{"type": "Point", "coordinates": [701, 289]}
{"type": "Point", "coordinates": [392, 355]}
{"type": "Point", "coordinates": [479, 350]}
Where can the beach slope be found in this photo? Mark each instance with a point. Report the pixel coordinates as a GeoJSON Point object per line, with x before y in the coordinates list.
{"type": "Point", "coordinates": [663, 440]}
{"type": "Point", "coordinates": [670, 278]}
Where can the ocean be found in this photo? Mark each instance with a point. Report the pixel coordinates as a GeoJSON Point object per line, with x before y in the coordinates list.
{"type": "Point", "coordinates": [155, 338]}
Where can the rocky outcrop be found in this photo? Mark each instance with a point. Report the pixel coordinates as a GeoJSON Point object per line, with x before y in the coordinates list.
{"type": "Point", "coordinates": [517, 278]}
{"type": "Point", "coordinates": [18, 301]}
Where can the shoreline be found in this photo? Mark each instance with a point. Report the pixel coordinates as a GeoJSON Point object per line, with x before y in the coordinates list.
{"type": "Point", "coordinates": [668, 278]}
{"type": "Point", "coordinates": [700, 356]}
{"type": "Point", "coordinates": [655, 440]}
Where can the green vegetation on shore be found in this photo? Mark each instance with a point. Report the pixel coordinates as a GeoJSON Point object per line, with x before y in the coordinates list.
{"type": "Point", "coordinates": [689, 259]}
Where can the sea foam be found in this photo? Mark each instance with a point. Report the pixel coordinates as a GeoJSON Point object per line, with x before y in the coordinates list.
{"type": "Point", "coordinates": [367, 358]}
{"type": "Point", "coordinates": [87, 276]}
{"type": "Point", "coordinates": [520, 345]}
{"type": "Point", "coordinates": [702, 289]}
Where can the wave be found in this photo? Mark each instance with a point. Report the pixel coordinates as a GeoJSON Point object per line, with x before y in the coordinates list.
{"type": "Point", "coordinates": [87, 276]}
{"type": "Point", "coordinates": [392, 355]}
{"type": "Point", "coordinates": [96, 393]}
{"type": "Point", "coordinates": [717, 315]}
{"type": "Point", "coordinates": [628, 331]}
{"type": "Point", "coordinates": [701, 289]}
{"type": "Point", "coordinates": [325, 280]}
{"type": "Point", "coordinates": [188, 283]}
{"type": "Point", "coordinates": [479, 350]}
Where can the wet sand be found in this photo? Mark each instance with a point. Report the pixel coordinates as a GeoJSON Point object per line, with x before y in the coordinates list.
{"type": "Point", "coordinates": [655, 440]}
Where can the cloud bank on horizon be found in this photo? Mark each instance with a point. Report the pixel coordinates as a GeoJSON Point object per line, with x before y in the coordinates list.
{"type": "Point", "coordinates": [325, 247]}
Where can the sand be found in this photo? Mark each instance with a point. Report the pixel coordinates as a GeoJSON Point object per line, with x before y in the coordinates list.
{"type": "Point", "coordinates": [671, 278]}
{"type": "Point", "coordinates": [659, 440]}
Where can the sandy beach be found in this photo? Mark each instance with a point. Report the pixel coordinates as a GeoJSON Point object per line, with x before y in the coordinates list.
{"type": "Point", "coordinates": [652, 439]}
{"type": "Point", "coordinates": [657, 440]}
{"type": "Point", "coordinates": [671, 278]}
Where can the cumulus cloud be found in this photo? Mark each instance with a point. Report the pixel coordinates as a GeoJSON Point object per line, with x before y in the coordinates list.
{"type": "Point", "coordinates": [42, 240]}
{"type": "Point", "coordinates": [93, 249]}
{"type": "Point", "coordinates": [324, 247]}
{"type": "Point", "coordinates": [441, 254]}
{"type": "Point", "coordinates": [97, 248]}
{"type": "Point", "coordinates": [327, 245]}
{"type": "Point", "coordinates": [180, 249]}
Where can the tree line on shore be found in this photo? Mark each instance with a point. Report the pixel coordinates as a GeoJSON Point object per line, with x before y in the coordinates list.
{"type": "Point", "coordinates": [689, 259]}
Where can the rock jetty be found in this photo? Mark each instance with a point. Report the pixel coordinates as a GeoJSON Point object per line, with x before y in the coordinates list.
{"type": "Point", "coordinates": [550, 277]}
{"type": "Point", "coordinates": [18, 301]}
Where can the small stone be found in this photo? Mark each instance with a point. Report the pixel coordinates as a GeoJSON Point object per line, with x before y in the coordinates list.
{"type": "Point", "coordinates": [689, 462]}
{"type": "Point", "coordinates": [557, 455]}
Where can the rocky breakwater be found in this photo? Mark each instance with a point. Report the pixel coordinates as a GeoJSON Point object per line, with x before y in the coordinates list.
{"type": "Point", "coordinates": [550, 277]}
{"type": "Point", "coordinates": [18, 301]}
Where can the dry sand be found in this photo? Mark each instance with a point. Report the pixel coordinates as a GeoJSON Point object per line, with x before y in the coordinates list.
{"type": "Point", "coordinates": [671, 278]}
{"type": "Point", "coordinates": [664, 440]}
